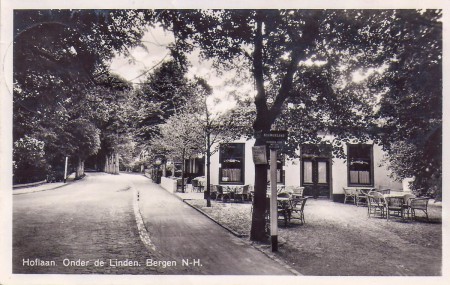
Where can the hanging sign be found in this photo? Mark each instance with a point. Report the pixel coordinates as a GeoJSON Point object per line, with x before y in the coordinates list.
{"type": "Point", "coordinates": [259, 154]}
{"type": "Point", "coordinates": [273, 138]}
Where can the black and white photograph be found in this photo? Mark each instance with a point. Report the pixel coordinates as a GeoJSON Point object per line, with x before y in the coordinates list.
{"type": "Point", "coordinates": [158, 143]}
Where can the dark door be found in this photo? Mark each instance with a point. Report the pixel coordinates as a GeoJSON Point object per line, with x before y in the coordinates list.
{"type": "Point", "coordinates": [316, 177]}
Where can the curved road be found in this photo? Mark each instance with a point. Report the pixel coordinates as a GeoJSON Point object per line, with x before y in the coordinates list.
{"type": "Point", "coordinates": [90, 226]}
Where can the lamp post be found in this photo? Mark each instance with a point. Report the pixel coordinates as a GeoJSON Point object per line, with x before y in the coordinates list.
{"type": "Point", "coordinates": [158, 162]}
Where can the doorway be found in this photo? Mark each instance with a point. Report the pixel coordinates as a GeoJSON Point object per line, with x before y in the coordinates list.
{"type": "Point", "coordinates": [316, 177]}
{"type": "Point", "coordinates": [316, 170]}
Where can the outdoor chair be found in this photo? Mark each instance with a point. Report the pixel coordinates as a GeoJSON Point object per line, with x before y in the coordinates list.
{"type": "Point", "coordinates": [201, 185]}
{"type": "Point", "coordinates": [383, 190]}
{"type": "Point", "coordinates": [350, 194]}
{"type": "Point", "coordinates": [297, 209]}
{"type": "Point", "coordinates": [361, 196]}
{"type": "Point", "coordinates": [407, 200]}
{"type": "Point", "coordinates": [284, 209]}
{"type": "Point", "coordinates": [375, 204]}
{"type": "Point", "coordinates": [227, 193]}
{"type": "Point", "coordinates": [213, 189]}
{"type": "Point", "coordinates": [395, 206]}
{"type": "Point", "coordinates": [194, 185]}
{"type": "Point", "coordinates": [420, 204]}
{"type": "Point", "coordinates": [180, 185]}
{"type": "Point", "coordinates": [297, 192]}
{"type": "Point", "coordinates": [241, 193]}
{"type": "Point", "coordinates": [219, 192]}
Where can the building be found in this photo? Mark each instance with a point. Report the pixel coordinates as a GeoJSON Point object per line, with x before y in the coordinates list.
{"type": "Point", "coordinates": [315, 169]}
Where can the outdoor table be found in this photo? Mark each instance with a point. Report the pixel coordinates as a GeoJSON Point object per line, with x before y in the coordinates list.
{"type": "Point", "coordinates": [284, 207]}
{"type": "Point", "coordinates": [396, 195]}
{"type": "Point", "coordinates": [361, 194]}
{"type": "Point", "coordinates": [228, 190]}
{"type": "Point", "coordinates": [404, 203]}
{"type": "Point", "coordinates": [201, 183]}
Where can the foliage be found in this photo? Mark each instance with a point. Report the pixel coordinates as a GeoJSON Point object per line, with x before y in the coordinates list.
{"type": "Point", "coordinates": [306, 58]}
{"type": "Point", "coordinates": [28, 160]}
{"type": "Point", "coordinates": [410, 110]}
{"type": "Point", "coordinates": [60, 76]}
{"type": "Point", "coordinates": [162, 93]}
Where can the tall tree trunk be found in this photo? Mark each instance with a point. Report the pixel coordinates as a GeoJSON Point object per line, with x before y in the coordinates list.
{"type": "Point", "coordinates": [208, 170]}
{"type": "Point", "coordinates": [164, 168]}
{"type": "Point", "coordinates": [116, 163]}
{"type": "Point", "coordinates": [80, 169]}
{"type": "Point", "coordinates": [105, 169]}
{"type": "Point", "coordinates": [182, 170]}
{"type": "Point", "coordinates": [261, 124]}
{"type": "Point", "coordinates": [257, 231]}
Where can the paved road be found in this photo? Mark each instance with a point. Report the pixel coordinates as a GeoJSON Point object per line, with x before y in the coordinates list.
{"type": "Point", "coordinates": [74, 228]}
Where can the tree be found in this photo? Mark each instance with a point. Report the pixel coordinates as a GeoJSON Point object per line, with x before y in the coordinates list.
{"type": "Point", "coordinates": [159, 96]}
{"type": "Point", "coordinates": [180, 137]}
{"type": "Point", "coordinates": [28, 157]}
{"type": "Point", "coordinates": [410, 109]}
{"type": "Point", "coordinates": [216, 128]}
{"type": "Point", "coordinates": [273, 44]}
{"type": "Point", "coordinates": [59, 58]}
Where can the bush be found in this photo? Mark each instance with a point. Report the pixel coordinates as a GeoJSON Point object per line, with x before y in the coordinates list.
{"type": "Point", "coordinates": [29, 164]}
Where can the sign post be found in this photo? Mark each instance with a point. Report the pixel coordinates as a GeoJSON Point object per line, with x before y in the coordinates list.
{"type": "Point", "coordinates": [274, 139]}
{"type": "Point", "coordinates": [273, 200]}
{"type": "Point", "coordinates": [65, 170]}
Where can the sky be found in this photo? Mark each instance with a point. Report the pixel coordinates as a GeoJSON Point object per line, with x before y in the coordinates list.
{"type": "Point", "coordinates": [144, 60]}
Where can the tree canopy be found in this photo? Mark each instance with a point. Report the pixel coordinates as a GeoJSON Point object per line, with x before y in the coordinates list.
{"type": "Point", "coordinates": [61, 77]}
{"type": "Point", "coordinates": [308, 58]}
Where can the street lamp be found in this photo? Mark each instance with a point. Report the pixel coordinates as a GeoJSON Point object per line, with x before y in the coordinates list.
{"type": "Point", "coordinates": [158, 161]}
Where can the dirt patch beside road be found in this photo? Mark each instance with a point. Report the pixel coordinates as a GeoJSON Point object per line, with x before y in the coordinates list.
{"type": "Point", "coordinates": [340, 240]}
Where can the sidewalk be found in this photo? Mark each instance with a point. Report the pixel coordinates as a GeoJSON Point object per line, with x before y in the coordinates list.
{"type": "Point", "coordinates": [189, 195]}
{"type": "Point", "coordinates": [179, 232]}
{"type": "Point", "coordinates": [43, 187]}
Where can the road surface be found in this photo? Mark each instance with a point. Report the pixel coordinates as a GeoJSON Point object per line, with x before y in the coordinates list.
{"type": "Point", "coordinates": [96, 225]}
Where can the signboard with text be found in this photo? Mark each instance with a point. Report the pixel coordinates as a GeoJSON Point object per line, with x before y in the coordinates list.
{"type": "Point", "coordinates": [273, 138]}
{"type": "Point", "coordinates": [259, 154]}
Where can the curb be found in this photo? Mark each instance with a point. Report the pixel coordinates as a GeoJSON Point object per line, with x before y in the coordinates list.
{"type": "Point", "coordinates": [274, 258]}
{"type": "Point", "coordinates": [54, 188]}
{"type": "Point", "coordinates": [212, 219]}
{"type": "Point", "coordinates": [250, 243]}
{"type": "Point", "coordinates": [20, 186]}
{"type": "Point", "coordinates": [42, 190]}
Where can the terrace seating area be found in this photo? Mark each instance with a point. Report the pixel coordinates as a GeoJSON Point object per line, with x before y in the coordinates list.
{"type": "Point", "coordinates": [385, 203]}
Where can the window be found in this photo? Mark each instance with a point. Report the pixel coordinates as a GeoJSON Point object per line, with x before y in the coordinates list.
{"type": "Point", "coordinates": [280, 171]}
{"type": "Point", "coordinates": [307, 172]}
{"type": "Point", "coordinates": [232, 168]}
{"type": "Point", "coordinates": [360, 164]}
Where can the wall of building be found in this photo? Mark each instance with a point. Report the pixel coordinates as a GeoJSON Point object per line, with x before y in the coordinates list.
{"type": "Point", "coordinates": [380, 169]}
{"type": "Point", "coordinates": [292, 172]}
{"type": "Point", "coordinates": [292, 168]}
{"type": "Point", "coordinates": [249, 175]}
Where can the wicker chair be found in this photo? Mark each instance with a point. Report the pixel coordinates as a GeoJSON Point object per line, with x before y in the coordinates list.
{"type": "Point", "coordinates": [297, 209]}
{"type": "Point", "coordinates": [297, 192]}
{"type": "Point", "coordinates": [227, 193]}
{"type": "Point", "coordinates": [407, 200]}
{"type": "Point", "coordinates": [349, 194]}
{"type": "Point", "coordinates": [396, 206]}
{"type": "Point", "coordinates": [375, 204]}
{"type": "Point", "coordinates": [219, 191]}
{"type": "Point", "coordinates": [420, 204]}
{"type": "Point", "coordinates": [361, 196]}
{"type": "Point", "coordinates": [242, 193]}
{"type": "Point", "coordinates": [213, 189]}
{"type": "Point", "coordinates": [180, 184]}
{"type": "Point", "coordinates": [194, 185]}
